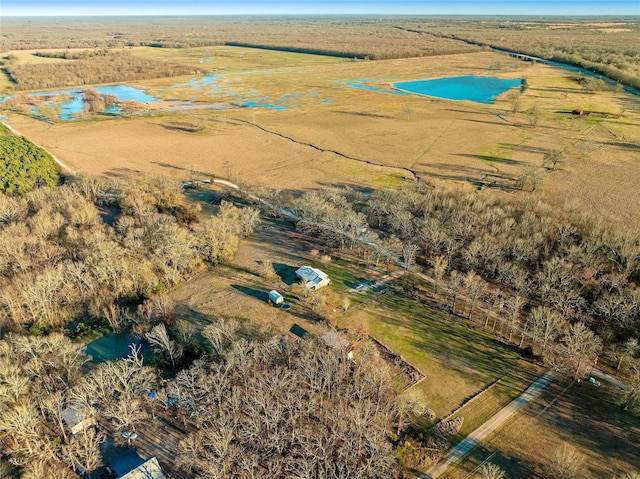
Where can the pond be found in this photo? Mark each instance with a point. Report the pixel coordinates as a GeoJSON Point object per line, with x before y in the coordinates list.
{"type": "Point", "coordinates": [74, 103]}
{"type": "Point", "coordinates": [112, 346]}
{"type": "Point", "coordinates": [472, 88]}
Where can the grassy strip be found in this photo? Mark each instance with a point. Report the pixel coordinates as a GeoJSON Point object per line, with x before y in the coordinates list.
{"type": "Point", "coordinates": [457, 359]}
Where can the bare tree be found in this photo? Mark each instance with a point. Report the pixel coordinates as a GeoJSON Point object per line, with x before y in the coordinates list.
{"type": "Point", "coordinates": [631, 397]}
{"type": "Point", "coordinates": [440, 265]}
{"type": "Point", "coordinates": [547, 326]}
{"type": "Point", "coordinates": [553, 159]}
{"type": "Point", "coordinates": [475, 288]}
{"type": "Point", "coordinates": [456, 280]}
{"type": "Point", "coordinates": [82, 453]}
{"type": "Point", "coordinates": [159, 337]}
{"type": "Point", "coordinates": [578, 347]}
{"type": "Point", "coordinates": [266, 270]}
{"type": "Point", "coordinates": [491, 471]}
{"type": "Point", "coordinates": [565, 463]}
{"type": "Point", "coordinates": [409, 251]}
{"type": "Point", "coordinates": [514, 305]}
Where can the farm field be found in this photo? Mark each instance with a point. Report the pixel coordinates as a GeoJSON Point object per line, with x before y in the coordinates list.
{"type": "Point", "coordinates": [338, 107]}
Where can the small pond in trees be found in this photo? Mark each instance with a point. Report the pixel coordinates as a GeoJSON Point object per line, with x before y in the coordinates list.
{"type": "Point", "coordinates": [472, 88]}
{"type": "Point", "coordinates": [112, 346]}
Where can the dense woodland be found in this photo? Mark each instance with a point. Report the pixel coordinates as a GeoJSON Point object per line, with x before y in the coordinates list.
{"type": "Point", "coordinates": [109, 67]}
{"type": "Point", "coordinates": [264, 407]}
{"type": "Point", "coordinates": [24, 166]}
{"type": "Point", "coordinates": [59, 261]}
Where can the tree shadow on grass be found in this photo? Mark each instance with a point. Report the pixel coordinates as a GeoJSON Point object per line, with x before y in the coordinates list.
{"type": "Point", "coordinates": [491, 159]}
{"type": "Point", "coordinates": [255, 293]}
{"type": "Point", "coordinates": [513, 466]}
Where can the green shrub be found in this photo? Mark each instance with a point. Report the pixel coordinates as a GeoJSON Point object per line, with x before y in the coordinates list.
{"type": "Point", "coordinates": [24, 166]}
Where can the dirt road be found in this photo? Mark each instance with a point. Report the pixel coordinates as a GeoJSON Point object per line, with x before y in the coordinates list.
{"type": "Point", "coordinates": [488, 427]}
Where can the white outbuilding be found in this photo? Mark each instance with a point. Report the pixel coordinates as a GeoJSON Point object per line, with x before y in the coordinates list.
{"type": "Point", "coordinates": [275, 297]}
{"type": "Point", "coordinates": [312, 278]}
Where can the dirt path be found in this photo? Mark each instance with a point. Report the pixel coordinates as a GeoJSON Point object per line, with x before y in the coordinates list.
{"type": "Point", "coordinates": [595, 372]}
{"type": "Point", "coordinates": [460, 450]}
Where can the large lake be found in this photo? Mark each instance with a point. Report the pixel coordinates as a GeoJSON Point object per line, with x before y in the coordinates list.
{"type": "Point", "coordinates": [472, 88]}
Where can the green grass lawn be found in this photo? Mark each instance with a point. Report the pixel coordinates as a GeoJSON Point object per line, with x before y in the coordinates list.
{"type": "Point", "coordinates": [457, 360]}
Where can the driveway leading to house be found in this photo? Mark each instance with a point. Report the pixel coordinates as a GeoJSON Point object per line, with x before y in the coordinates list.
{"type": "Point", "coordinates": [498, 419]}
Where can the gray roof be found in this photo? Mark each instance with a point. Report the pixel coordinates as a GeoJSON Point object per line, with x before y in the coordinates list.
{"type": "Point", "coordinates": [150, 469]}
{"type": "Point", "coordinates": [311, 275]}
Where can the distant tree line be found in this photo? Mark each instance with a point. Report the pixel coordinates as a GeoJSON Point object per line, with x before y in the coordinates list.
{"type": "Point", "coordinates": [111, 67]}
{"type": "Point", "coordinates": [610, 50]}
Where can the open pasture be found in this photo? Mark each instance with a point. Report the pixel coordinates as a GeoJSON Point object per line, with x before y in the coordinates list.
{"type": "Point", "coordinates": [306, 125]}
{"type": "Point", "coordinates": [577, 414]}
{"type": "Point", "coordinates": [457, 360]}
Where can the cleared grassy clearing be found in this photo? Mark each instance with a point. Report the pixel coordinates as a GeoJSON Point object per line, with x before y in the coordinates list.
{"type": "Point", "coordinates": [578, 414]}
{"type": "Point", "coordinates": [458, 361]}
{"type": "Point", "coordinates": [224, 59]}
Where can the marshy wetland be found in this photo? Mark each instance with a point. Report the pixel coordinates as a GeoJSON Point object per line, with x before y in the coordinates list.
{"type": "Point", "coordinates": [290, 112]}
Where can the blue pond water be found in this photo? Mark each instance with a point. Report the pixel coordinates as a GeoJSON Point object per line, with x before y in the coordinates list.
{"type": "Point", "coordinates": [478, 89]}
{"type": "Point", "coordinates": [112, 346]}
{"type": "Point", "coordinates": [74, 104]}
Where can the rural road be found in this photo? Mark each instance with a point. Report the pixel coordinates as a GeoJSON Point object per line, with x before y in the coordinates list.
{"type": "Point", "coordinates": [461, 449]}
{"type": "Point", "coordinates": [595, 372]}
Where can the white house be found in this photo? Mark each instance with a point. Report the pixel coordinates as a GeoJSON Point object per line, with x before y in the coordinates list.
{"type": "Point", "coordinates": [312, 278]}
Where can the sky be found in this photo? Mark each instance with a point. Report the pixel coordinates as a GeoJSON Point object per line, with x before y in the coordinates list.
{"type": "Point", "coordinates": [278, 7]}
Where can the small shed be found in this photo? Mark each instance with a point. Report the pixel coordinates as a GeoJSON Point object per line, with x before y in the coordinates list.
{"type": "Point", "coordinates": [275, 297]}
{"type": "Point", "coordinates": [312, 278]}
{"type": "Point", "coordinates": [77, 419]}
{"type": "Point", "coordinates": [298, 331]}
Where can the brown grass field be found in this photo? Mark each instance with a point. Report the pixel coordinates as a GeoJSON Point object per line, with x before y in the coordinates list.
{"type": "Point", "coordinates": [456, 142]}
{"type": "Point", "coordinates": [578, 414]}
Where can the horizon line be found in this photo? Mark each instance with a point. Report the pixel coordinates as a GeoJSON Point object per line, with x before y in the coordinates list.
{"type": "Point", "coordinates": [309, 14]}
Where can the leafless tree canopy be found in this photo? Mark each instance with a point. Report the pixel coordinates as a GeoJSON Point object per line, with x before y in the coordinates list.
{"type": "Point", "coordinates": [283, 408]}
{"type": "Point", "coordinates": [59, 260]}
